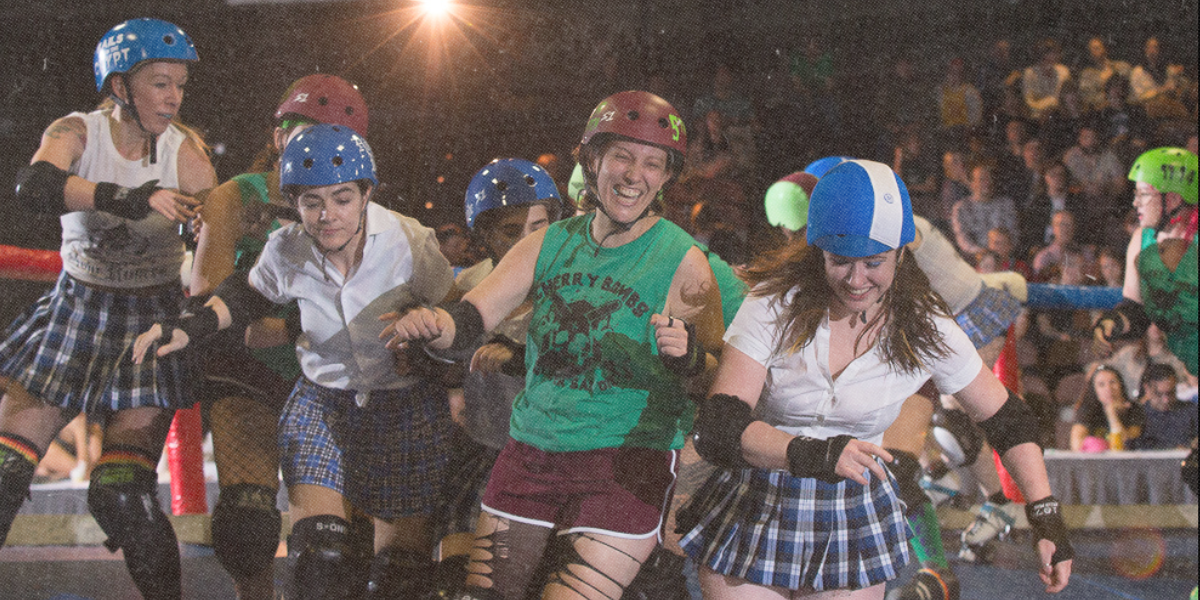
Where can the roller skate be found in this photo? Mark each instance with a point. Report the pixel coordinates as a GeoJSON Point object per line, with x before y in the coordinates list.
{"type": "Point", "coordinates": [941, 484]}
{"type": "Point", "coordinates": [993, 523]}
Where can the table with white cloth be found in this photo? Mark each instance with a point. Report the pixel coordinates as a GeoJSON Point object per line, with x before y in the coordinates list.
{"type": "Point", "coordinates": [1112, 478]}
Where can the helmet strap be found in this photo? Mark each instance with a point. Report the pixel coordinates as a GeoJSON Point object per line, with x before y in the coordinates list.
{"type": "Point", "coordinates": [325, 252]}
{"type": "Point", "coordinates": [129, 107]}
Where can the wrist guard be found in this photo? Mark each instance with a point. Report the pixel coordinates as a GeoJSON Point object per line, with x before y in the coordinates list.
{"type": "Point", "coordinates": [1012, 425]}
{"type": "Point", "coordinates": [1045, 519]}
{"type": "Point", "coordinates": [810, 457]}
{"type": "Point", "coordinates": [720, 422]}
{"type": "Point", "coordinates": [40, 186]}
{"type": "Point", "coordinates": [197, 322]}
{"type": "Point", "coordinates": [693, 360]}
{"type": "Point", "coordinates": [127, 203]}
{"type": "Point", "coordinates": [245, 303]}
{"type": "Point", "coordinates": [468, 333]}
{"type": "Point", "coordinates": [1129, 318]}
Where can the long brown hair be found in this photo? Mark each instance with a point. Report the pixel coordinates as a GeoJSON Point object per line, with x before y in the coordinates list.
{"type": "Point", "coordinates": [795, 276]}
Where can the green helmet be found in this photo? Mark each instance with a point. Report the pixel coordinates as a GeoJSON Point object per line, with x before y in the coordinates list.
{"type": "Point", "coordinates": [1168, 170]}
{"type": "Point", "coordinates": [786, 201]}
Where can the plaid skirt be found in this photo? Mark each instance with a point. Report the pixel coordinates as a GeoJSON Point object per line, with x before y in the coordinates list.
{"type": "Point", "coordinates": [989, 315]}
{"type": "Point", "coordinates": [770, 528]}
{"type": "Point", "coordinates": [387, 458]}
{"type": "Point", "coordinates": [72, 349]}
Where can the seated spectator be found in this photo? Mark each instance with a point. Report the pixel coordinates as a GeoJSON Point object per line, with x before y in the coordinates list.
{"type": "Point", "coordinates": [959, 104]}
{"type": "Point", "coordinates": [1131, 360]}
{"type": "Point", "coordinates": [1122, 126]}
{"type": "Point", "coordinates": [1094, 78]}
{"type": "Point", "coordinates": [1110, 263]}
{"type": "Point", "coordinates": [1042, 83]}
{"type": "Point", "coordinates": [1000, 243]}
{"type": "Point", "coordinates": [972, 218]}
{"type": "Point", "coordinates": [1036, 215]}
{"type": "Point", "coordinates": [1105, 419]}
{"type": "Point", "coordinates": [919, 171]}
{"type": "Point", "coordinates": [735, 109]}
{"type": "Point", "coordinates": [1096, 168]}
{"type": "Point", "coordinates": [1170, 423]}
{"type": "Point", "coordinates": [1050, 260]}
{"type": "Point", "coordinates": [956, 185]}
{"type": "Point", "coordinates": [1157, 85]}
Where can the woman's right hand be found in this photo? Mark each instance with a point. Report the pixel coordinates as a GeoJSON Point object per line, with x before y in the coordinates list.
{"type": "Point", "coordinates": [179, 341]}
{"type": "Point", "coordinates": [417, 324]}
{"type": "Point", "coordinates": [174, 205]}
{"type": "Point", "coordinates": [858, 457]}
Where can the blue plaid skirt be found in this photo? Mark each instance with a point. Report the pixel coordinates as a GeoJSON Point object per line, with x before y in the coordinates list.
{"type": "Point", "coordinates": [72, 349]}
{"type": "Point", "coordinates": [466, 478]}
{"type": "Point", "coordinates": [387, 458]}
{"type": "Point", "coordinates": [989, 315]}
{"type": "Point", "coordinates": [770, 528]}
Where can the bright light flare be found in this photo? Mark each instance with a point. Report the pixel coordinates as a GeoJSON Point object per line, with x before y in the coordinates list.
{"type": "Point", "coordinates": [436, 8]}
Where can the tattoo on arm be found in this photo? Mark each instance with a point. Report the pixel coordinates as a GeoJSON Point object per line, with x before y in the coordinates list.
{"type": "Point", "coordinates": [67, 128]}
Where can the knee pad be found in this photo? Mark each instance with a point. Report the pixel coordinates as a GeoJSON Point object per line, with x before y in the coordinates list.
{"type": "Point", "coordinates": [123, 498]}
{"type": "Point", "coordinates": [907, 470]}
{"type": "Point", "coordinates": [18, 460]}
{"type": "Point", "coordinates": [245, 529]}
{"type": "Point", "coordinates": [317, 554]}
{"type": "Point", "coordinates": [958, 437]}
{"type": "Point", "coordinates": [399, 574]}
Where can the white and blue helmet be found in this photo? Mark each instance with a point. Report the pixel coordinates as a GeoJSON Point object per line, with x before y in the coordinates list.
{"type": "Point", "coordinates": [860, 208]}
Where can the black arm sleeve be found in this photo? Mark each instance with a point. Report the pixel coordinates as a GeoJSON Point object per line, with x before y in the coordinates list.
{"type": "Point", "coordinates": [245, 303]}
{"type": "Point", "coordinates": [1012, 425]}
{"type": "Point", "coordinates": [810, 457]}
{"type": "Point", "coordinates": [720, 421]}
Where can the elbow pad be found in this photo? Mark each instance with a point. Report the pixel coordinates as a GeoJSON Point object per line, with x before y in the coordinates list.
{"type": "Point", "coordinates": [40, 186]}
{"type": "Point", "coordinates": [245, 303]}
{"type": "Point", "coordinates": [718, 432]}
{"type": "Point", "coordinates": [1129, 319]}
{"type": "Point", "coordinates": [1012, 425]}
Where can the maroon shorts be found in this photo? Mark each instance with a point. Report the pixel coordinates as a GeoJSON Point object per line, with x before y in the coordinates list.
{"type": "Point", "coordinates": [623, 492]}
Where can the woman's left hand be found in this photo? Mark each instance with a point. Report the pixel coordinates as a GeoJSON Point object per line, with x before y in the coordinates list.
{"type": "Point", "coordinates": [179, 340]}
{"type": "Point", "coordinates": [1055, 576]}
{"type": "Point", "coordinates": [671, 335]}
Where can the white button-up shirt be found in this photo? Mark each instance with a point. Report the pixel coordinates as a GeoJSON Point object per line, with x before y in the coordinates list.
{"type": "Point", "coordinates": [801, 397]}
{"type": "Point", "coordinates": [340, 346]}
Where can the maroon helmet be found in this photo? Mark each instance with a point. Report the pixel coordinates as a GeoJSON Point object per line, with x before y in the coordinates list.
{"type": "Point", "coordinates": [639, 116]}
{"type": "Point", "coordinates": [326, 99]}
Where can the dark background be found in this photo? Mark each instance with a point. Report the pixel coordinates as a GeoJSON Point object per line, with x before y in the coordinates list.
{"type": "Point", "coordinates": [509, 78]}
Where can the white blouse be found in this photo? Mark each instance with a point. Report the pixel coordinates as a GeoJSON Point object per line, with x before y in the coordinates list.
{"type": "Point", "coordinates": [340, 346]}
{"type": "Point", "coordinates": [801, 397]}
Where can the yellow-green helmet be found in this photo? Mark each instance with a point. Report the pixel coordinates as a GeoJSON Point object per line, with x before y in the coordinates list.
{"type": "Point", "coordinates": [1168, 170]}
{"type": "Point", "coordinates": [786, 202]}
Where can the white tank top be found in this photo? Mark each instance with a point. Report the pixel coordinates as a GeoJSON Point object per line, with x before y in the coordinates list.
{"type": "Point", "coordinates": [104, 249]}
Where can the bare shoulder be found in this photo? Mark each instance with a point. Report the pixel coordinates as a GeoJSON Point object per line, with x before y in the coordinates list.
{"type": "Point", "coordinates": [63, 142]}
{"type": "Point", "coordinates": [196, 172]}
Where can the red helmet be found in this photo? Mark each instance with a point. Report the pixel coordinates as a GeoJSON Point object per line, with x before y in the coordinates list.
{"type": "Point", "coordinates": [640, 116]}
{"type": "Point", "coordinates": [326, 99]}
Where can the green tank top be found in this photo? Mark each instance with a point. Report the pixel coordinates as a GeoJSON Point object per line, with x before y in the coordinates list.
{"type": "Point", "coordinates": [280, 359]}
{"type": "Point", "coordinates": [1170, 297]}
{"type": "Point", "coordinates": [733, 289]}
{"type": "Point", "coordinates": [594, 377]}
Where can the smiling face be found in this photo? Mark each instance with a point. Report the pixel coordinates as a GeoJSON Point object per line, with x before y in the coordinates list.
{"type": "Point", "coordinates": [332, 213]}
{"type": "Point", "coordinates": [157, 92]}
{"type": "Point", "coordinates": [628, 178]}
{"type": "Point", "coordinates": [858, 284]}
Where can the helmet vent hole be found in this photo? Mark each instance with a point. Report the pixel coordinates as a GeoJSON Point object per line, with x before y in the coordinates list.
{"type": "Point", "coordinates": [664, 123]}
{"type": "Point", "coordinates": [169, 40]}
{"type": "Point", "coordinates": [529, 181]}
{"type": "Point", "coordinates": [337, 161]}
{"type": "Point", "coordinates": [322, 100]}
{"type": "Point", "coordinates": [308, 163]}
{"type": "Point", "coordinates": [634, 115]}
{"type": "Point", "coordinates": [502, 186]}
{"type": "Point", "coordinates": [349, 110]}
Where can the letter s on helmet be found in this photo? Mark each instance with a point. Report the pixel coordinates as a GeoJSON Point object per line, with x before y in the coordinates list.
{"type": "Point", "coordinates": [325, 99]}
{"type": "Point", "coordinates": [139, 40]}
{"type": "Point", "coordinates": [324, 155]}
{"type": "Point", "coordinates": [642, 117]}
{"type": "Point", "coordinates": [1168, 170]}
{"type": "Point", "coordinates": [860, 208]}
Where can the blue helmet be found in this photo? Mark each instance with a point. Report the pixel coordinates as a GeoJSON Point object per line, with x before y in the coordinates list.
{"type": "Point", "coordinates": [324, 155]}
{"type": "Point", "coordinates": [508, 182]}
{"type": "Point", "coordinates": [821, 166]}
{"type": "Point", "coordinates": [138, 40]}
{"type": "Point", "coordinates": [860, 208]}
